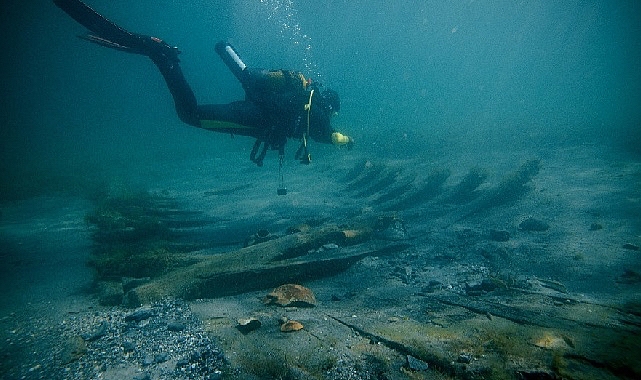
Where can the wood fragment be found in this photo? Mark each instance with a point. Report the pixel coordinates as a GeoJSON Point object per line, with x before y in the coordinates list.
{"type": "Point", "coordinates": [261, 266]}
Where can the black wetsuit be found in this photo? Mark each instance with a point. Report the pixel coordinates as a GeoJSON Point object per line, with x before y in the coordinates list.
{"type": "Point", "coordinates": [275, 105]}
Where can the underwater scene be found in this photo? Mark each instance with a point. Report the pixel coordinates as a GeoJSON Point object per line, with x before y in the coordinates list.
{"type": "Point", "coordinates": [287, 189]}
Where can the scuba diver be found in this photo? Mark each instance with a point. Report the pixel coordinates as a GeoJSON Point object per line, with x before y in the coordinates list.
{"type": "Point", "coordinates": [278, 105]}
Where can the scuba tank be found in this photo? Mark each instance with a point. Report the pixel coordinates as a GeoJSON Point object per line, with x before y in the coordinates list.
{"type": "Point", "coordinates": [231, 58]}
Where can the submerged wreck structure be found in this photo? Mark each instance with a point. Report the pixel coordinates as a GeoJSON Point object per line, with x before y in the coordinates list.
{"type": "Point", "coordinates": [425, 283]}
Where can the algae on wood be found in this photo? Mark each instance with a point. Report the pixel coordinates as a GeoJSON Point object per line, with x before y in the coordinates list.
{"type": "Point", "coordinates": [264, 265]}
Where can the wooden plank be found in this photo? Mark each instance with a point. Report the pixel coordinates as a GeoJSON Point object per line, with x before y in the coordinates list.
{"type": "Point", "coordinates": [286, 259]}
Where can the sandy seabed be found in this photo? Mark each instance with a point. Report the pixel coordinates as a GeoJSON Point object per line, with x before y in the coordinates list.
{"type": "Point", "coordinates": [459, 302]}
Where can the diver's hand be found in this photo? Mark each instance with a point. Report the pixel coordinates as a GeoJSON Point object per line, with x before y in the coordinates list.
{"type": "Point", "coordinates": [341, 139]}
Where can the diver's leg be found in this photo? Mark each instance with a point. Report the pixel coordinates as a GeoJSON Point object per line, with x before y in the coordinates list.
{"type": "Point", "coordinates": [164, 56]}
{"type": "Point", "coordinates": [181, 92]}
{"type": "Point", "coordinates": [238, 118]}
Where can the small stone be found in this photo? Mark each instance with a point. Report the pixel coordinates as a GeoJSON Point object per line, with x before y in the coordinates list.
{"type": "Point", "coordinates": [291, 326]}
{"type": "Point", "coordinates": [533, 225]}
{"type": "Point", "coordinates": [247, 325]}
{"type": "Point", "coordinates": [631, 246]}
{"type": "Point", "coordinates": [196, 356]}
{"type": "Point", "coordinates": [161, 358]}
{"type": "Point", "coordinates": [139, 315]}
{"type": "Point", "coordinates": [464, 358]}
{"type": "Point", "coordinates": [97, 333]}
{"type": "Point", "coordinates": [128, 346]}
{"type": "Point", "coordinates": [176, 326]}
{"type": "Point", "coordinates": [415, 364]}
{"type": "Point", "coordinates": [148, 360]}
{"type": "Point", "coordinates": [478, 289]}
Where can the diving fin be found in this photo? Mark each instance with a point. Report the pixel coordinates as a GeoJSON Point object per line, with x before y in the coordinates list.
{"type": "Point", "coordinates": [94, 21]}
{"type": "Point", "coordinates": [107, 33]}
{"type": "Point", "coordinates": [106, 43]}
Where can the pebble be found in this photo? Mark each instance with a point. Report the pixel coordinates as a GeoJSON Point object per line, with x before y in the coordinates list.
{"type": "Point", "coordinates": [247, 325]}
{"type": "Point", "coordinates": [98, 333]}
{"type": "Point", "coordinates": [464, 358]}
{"type": "Point", "coordinates": [533, 225]}
{"type": "Point", "coordinates": [416, 364]}
{"type": "Point", "coordinates": [149, 359]}
{"type": "Point", "coordinates": [161, 358]}
{"type": "Point", "coordinates": [143, 350]}
{"type": "Point", "coordinates": [176, 326]}
{"type": "Point", "coordinates": [128, 346]}
{"type": "Point", "coordinates": [139, 315]}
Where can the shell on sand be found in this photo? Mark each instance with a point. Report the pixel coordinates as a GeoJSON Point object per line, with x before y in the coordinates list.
{"type": "Point", "coordinates": [291, 295]}
{"type": "Point", "coordinates": [291, 326]}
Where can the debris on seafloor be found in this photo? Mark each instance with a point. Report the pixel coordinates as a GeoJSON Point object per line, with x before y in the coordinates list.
{"type": "Point", "coordinates": [247, 325]}
{"type": "Point", "coordinates": [533, 225]}
{"type": "Point", "coordinates": [415, 364]}
{"type": "Point", "coordinates": [552, 341]}
{"type": "Point", "coordinates": [291, 295]}
{"type": "Point", "coordinates": [291, 326]}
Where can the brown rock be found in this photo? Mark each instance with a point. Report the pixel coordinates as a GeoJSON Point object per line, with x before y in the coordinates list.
{"type": "Point", "coordinates": [291, 295]}
{"type": "Point", "coordinates": [291, 326]}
